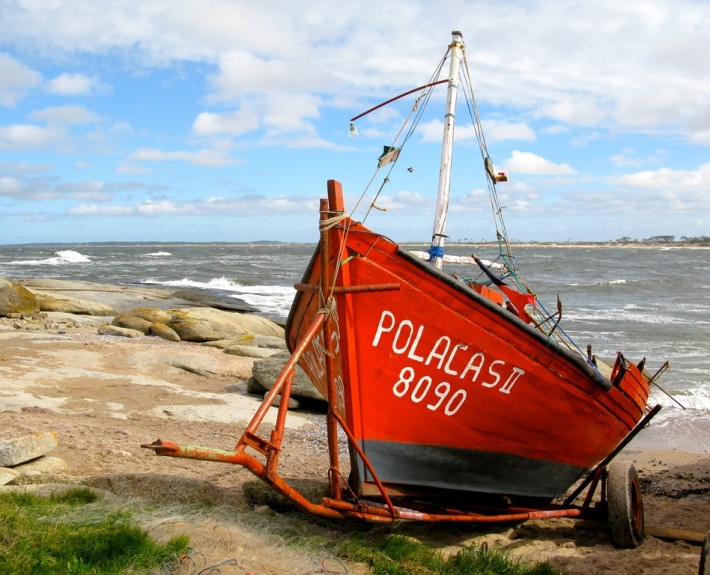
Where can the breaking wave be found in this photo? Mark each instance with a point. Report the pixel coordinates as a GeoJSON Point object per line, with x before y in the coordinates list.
{"type": "Point", "coordinates": [61, 257]}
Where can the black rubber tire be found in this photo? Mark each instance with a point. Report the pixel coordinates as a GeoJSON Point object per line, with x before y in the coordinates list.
{"type": "Point", "coordinates": [625, 505]}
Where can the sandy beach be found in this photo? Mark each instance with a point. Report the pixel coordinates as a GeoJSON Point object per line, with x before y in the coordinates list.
{"type": "Point", "coordinates": [106, 395]}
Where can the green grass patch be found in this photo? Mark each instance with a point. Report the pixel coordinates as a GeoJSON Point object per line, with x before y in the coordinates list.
{"type": "Point", "coordinates": [75, 533]}
{"type": "Point", "coordinates": [401, 555]}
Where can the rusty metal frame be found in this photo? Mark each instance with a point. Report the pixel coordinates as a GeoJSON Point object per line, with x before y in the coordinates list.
{"type": "Point", "coordinates": [342, 502]}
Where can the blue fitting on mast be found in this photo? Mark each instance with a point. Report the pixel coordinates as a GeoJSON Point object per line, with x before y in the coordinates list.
{"type": "Point", "coordinates": [435, 252]}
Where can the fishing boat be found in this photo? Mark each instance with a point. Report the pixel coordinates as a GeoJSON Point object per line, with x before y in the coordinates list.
{"type": "Point", "coordinates": [462, 398]}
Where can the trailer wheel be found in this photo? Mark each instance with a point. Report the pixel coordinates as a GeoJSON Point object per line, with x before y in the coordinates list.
{"type": "Point", "coordinates": [625, 505]}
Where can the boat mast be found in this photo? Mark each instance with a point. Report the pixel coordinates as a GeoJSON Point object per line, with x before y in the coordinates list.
{"type": "Point", "coordinates": [436, 252]}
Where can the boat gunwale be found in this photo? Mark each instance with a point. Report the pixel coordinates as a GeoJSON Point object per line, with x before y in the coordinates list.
{"type": "Point", "coordinates": [576, 359]}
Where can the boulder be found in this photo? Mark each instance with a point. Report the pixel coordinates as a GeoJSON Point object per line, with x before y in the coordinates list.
{"type": "Point", "coordinates": [7, 475]}
{"type": "Point", "coordinates": [270, 341]}
{"type": "Point", "coordinates": [208, 324]}
{"type": "Point", "coordinates": [15, 299]}
{"type": "Point", "coordinates": [162, 330]}
{"type": "Point", "coordinates": [121, 298]}
{"type": "Point", "coordinates": [149, 314]}
{"type": "Point", "coordinates": [132, 322]}
{"type": "Point", "coordinates": [242, 339]}
{"type": "Point", "coordinates": [107, 329]}
{"type": "Point", "coordinates": [210, 298]}
{"type": "Point", "coordinates": [22, 449]}
{"type": "Point", "coordinates": [249, 351]}
{"type": "Point", "coordinates": [67, 304]}
{"type": "Point", "coordinates": [33, 471]}
{"type": "Point", "coordinates": [265, 372]}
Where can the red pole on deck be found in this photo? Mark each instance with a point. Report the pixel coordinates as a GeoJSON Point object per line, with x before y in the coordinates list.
{"type": "Point", "coordinates": [327, 281]}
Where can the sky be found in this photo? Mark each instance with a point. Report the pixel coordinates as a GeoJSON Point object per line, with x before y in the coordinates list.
{"type": "Point", "coordinates": [222, 120]}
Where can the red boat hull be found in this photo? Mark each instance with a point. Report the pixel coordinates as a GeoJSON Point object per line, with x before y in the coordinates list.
{"type": "Point", "coordinates": [443, 388]}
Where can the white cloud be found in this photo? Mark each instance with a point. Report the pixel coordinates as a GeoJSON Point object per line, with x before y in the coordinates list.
{"type": "Point", "coordinates": [701, 137]}
{"type": "Point", "coordinates": [213, 157]}
{"type": "Point", "coordinates": [15, 80]}
{"type": "Point", "coordinates": [431, 131]}
{"type": "Point", "coordinates": [76, 84]}
{"type": "Point", "coordinates": [20, 137]}
{"type": "Point", "coordinates": [242, 72]}
{"type": "Point", "coordinates": [9, 186]}
{"type": "Point", "coordinates": [273, 75]}
{"type": "Point", "coordinates": [240, 206]}
{"type": "Point", "coordinates": [575, 62]}
{"type": "Point", "coordinates": [670, 179]}
{"type": "Point", "coordinates": [499, 131]}
{"type": "Point", "coordinates": [235, 123]}
{"type": "Point", "coordinates": [625, 158]}
{"type": "Point", "coordinates": [576, 112]}
{"type": "Point", "coordinates": [404, 200]}
{"type": "Point", "coordinates": [66, 115]}
{"type": "Point", "coordinates": [529, 163]}
{"type": "Point", "coordinates": [44, 189]}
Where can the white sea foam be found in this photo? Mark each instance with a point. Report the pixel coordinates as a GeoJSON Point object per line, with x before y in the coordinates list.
{"type": "Point", "coordinates": [72, 256]}
{"type": "Point", "coordinates": [628, 315]}
{"type": "Point", "coordinates": [271, 300]}
{"type": "Point", "coordinates": [61, 257]}
{"type": "Point", "coordinates": [274, 301]}
{"type": "Point", "coordinates": [159, 254]}
{"type": "Point", "coordinates": [222, 283]}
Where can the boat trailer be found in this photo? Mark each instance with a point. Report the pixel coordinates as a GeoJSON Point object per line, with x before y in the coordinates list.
{"type": "Point", "coordinates": [620, 500]}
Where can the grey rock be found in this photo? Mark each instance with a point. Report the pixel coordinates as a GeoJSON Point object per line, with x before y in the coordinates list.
{"type": "Point", "coordinates": [192, 365]}
{"type": "Point", "coordinates": [249, 351]}
{"type": "Point", "coordinates": [7, 475]}
{"type": "Point", "coordinates": [265, 372]}
{"type": "Point", "coordinates": [254, 387]}
{"type": "Point", "coordinates": [40, 467]}
{"type": "Point", "coordinates": [293, 403]}
{"type": "Point", "coordinates": [121, 298]}
{"type": "Point", "coordinates": [22, 449]}
{"type": "Point", "coordinates": [107, 329]}
{"type": "Point", "coordinates": [270, 341]}
{"type": "Point", "coordinates": [209, 298]}
{"type": "Point", "coordinates": [242, 339]}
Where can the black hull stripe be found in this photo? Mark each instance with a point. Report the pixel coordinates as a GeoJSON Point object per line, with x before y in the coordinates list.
{"type": "Point", "coordinates": [467, 470]}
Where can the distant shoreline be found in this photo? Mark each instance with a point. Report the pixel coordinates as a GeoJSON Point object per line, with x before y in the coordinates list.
{"type": "Point", "coordinates": [524, 244]}
{"type": "Point", "coordinates": [640, 245]}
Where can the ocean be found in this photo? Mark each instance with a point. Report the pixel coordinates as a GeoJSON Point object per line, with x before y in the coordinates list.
{"type": "Point", "coordinates": [647, 302]}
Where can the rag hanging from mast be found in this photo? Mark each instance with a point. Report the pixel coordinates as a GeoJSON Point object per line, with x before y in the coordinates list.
{"type": "Point", "coordinates": [389, 155]}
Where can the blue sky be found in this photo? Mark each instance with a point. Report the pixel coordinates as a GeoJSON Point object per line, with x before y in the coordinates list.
{"type": "Point", "coordinates": [221, 120]}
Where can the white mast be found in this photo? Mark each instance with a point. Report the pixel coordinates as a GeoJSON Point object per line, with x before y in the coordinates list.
{"type": "Point", "coordinates": [442, 199]}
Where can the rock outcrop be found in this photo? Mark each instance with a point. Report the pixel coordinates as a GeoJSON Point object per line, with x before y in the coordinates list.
{"type": "Point", "coordinates": [25, 456]}
{"type": "Point", "coordinates": [265, 372]}
{"type": "Point", "coordinates": [66, 304]}
{"type": "Point", "coordinates": [16, 299]}
{"type": "Point", "coordinates": [204, 325]}
{"type": "Point", "coordinates": [208, 324]}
